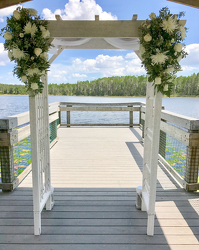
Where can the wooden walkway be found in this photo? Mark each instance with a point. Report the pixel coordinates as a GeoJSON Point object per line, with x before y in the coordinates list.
{"type": "Point", "coordinates": [95, 172]}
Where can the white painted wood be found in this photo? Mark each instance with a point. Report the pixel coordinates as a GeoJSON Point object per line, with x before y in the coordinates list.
{"type": "Point", "coordinates": [33, 107]}
{"type": "Point", "coordinates": [110, 28]}
{"type": "Point", "coordinates": [51, 60]}
{"type": "Point", "coordinates": [48, 189]}
{"type": "Point", "coordinates": [53, 117]}
{"type": "Point", "coordinates": [151, 148]}
{"type": "Point", "coordinates": [175, 132]}
{"type": "Point", "coordinates": [102, 104]}
{"type": "Point", "coordinates": [180, 120]}
{"type": "Point", "coordinates": [40, 150]}
{"type": "Point", "coordinates": [99, 108]}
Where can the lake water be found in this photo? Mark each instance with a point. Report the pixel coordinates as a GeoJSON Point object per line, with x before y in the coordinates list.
{"type": "Point", "coordinates": [15, 104]}
{"type": "Point", "coordinates": [12, 105]}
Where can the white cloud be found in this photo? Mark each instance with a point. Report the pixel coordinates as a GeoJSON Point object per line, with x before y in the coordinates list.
{"type": "Point", "coordinates": [6, 12]}
{"type": "Point", "coordinates": [79, 10]}
{"type": "Point", "coordinates": [131, 55]}
{"type": "Point", "coordinates": [189, 68]}
{"type": "Point", "coordinates": [57, 73]}
{"type": "Point", "coordinates": [192, 59]}
{"type": "Point", "coordinates": [3, 56]}
{"type": "Point", "coordinates": [79, 75]}
{"type": "Point", "coordinates": [104, 65]}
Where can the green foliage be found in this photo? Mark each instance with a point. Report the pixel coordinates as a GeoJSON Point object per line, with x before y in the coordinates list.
{"type": "Point", "coordinates": [27, 41]}
{"type": "Point", "coordinates": [161, 49]}
{"type": "Point", "coordinates": [112, 86]}
{"type": "Point", "coordinates": [107, 86]}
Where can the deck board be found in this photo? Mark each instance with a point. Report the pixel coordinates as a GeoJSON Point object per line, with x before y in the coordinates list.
{"type": "Point", "coordinates": [95, 172]}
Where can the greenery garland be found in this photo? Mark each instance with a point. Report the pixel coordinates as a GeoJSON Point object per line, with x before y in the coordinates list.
{"type": "Point", "coordinates": [161, 48]}
{"type": "Point", "coordinates": [27, 41]}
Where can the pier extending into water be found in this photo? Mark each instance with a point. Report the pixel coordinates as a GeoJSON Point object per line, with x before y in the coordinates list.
{"type": "Point", "coordinates": [178, 151]}
{"type": "Point", "coordinates": [95, 172]}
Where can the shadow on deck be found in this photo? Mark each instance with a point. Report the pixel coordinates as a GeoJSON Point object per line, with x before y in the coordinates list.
{"type": "Point", "coordinates": [95, 172]}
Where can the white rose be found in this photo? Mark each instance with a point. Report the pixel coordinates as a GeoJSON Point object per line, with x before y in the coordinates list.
{"type": "Point", "coordinates": [16, 14]}
{"type": "Point", "coordinates": [21, 35]}
{"type": "Point", "coordinates": [178, 47]}
{"type": "Point", "coordinates": [24, 78]}
{"type": "Point", "coordinates": [44, 56]}
{"type": "Point", "coordinates": [158, 80]}
{"type": "Point", "coordinates": [7, 35]}
{"type": "Point", "coordinates": [37, 51]}
{"type": "Point", "coordinates": [166, 87]}
{"type": "Point", "coordinates": [34, 86]}
{"type": "Point", "coordinates": [32, 12]}
{"type": "Point", "coordinates": [142, 49]}
{"type": "Point", "coordinates": [147, 38]}
{"type": "Point", "coordinates": [32, 58]}
{"type": "Point", "coordinates": [152, 15]}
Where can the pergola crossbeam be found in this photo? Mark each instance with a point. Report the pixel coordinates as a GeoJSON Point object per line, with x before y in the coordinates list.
{"type": "Point", "coordinates": [96, 28]}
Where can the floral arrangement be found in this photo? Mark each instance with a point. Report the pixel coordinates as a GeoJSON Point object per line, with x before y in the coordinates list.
{"type": "Point", "coordinates": [161, 48]}
{"type": "Point", "coordinates": [27, 41]}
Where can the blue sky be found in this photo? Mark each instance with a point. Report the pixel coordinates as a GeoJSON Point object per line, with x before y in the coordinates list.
{"type": "Point", "coordinates": [79, 65]}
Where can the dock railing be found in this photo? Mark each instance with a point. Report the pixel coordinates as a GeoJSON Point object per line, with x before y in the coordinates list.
{"type": "Point", "coordinates": [178, 151]}
{"type": "Point", "coordinates": [131, 107]}
{"type": "Point", "coordinates": [179, 147]}
{"type": "Point", "coordinates": [15, 146]}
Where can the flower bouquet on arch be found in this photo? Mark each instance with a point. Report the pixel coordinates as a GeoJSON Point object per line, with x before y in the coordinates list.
{"type": "Point", "coordinates": [27, 41]}
{"type": "Point", "coordinates": [161, 48]}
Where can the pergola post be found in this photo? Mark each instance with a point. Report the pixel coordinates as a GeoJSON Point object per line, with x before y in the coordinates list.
{"type": "Point", "coordinates": [151, 149]}
{"type": "Point", "coordinates": [40, 152]}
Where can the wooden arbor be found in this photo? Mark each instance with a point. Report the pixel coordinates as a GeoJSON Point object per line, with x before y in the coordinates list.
{"type": "Point", "coordinates": [92, 35]}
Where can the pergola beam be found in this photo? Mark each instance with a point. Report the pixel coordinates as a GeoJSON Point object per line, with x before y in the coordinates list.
{"type": "Point", "coordinates": [7, 3]}
{"type": "Point", "coordinates": [191, 3]}
{"type": "Point", "coordinates": [84, 29]}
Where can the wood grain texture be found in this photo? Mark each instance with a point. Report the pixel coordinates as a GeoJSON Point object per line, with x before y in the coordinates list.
{"type": "Point", "coordinates": [95, 172]}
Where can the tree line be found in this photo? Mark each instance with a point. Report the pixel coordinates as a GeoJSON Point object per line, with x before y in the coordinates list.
{"type": "Point", "coordinates": [111, 86]}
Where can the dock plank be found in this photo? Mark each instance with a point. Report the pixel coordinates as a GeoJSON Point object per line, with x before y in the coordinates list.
{"type": "Point", "coordinates": [95, 172]}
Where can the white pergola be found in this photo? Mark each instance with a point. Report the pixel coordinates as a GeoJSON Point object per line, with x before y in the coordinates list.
{"type": "Point", "coordinates": [94, 34]}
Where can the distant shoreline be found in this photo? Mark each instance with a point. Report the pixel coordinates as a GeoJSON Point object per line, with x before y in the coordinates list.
{"type": "Point", "coordinates": [105, 96]}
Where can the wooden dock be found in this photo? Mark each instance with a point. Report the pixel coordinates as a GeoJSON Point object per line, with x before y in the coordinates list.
{"type": "Point", "coordinates": [95, 172]}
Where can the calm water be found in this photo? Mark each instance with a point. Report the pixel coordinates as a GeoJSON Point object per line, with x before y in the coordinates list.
{"type": "Point", "coordinates": [12, 105]}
